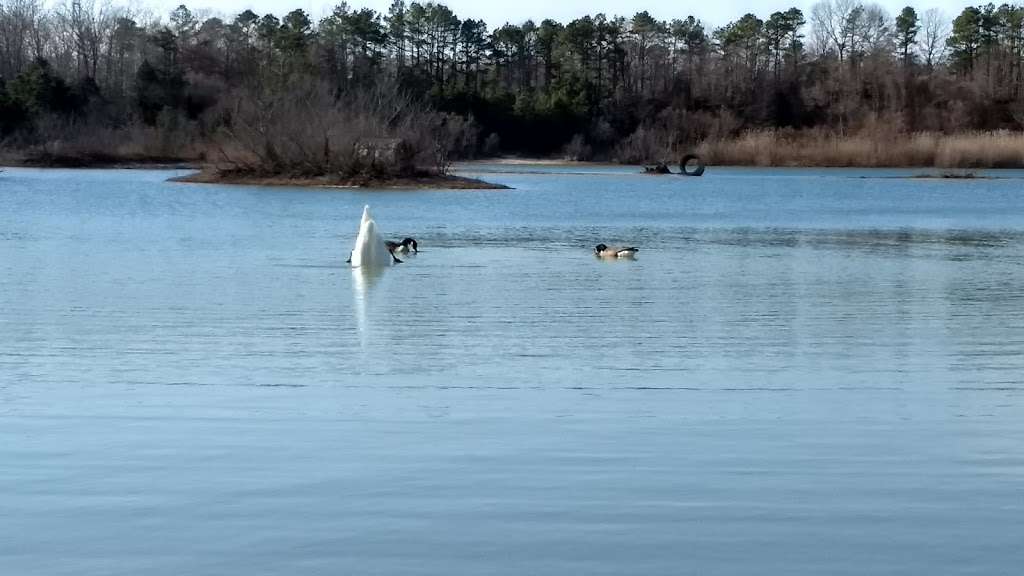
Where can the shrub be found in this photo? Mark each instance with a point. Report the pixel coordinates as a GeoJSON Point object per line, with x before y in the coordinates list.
{"type": "Point", "coordinates": [577, 149]}
{"type": "Point", "coordinates": [309, 130]}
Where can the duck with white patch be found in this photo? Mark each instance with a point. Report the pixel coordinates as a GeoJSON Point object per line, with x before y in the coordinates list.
{"type": "Point", "coordinates": [370, 250]}
{"type": "Point", "coordinates": [605, 251]}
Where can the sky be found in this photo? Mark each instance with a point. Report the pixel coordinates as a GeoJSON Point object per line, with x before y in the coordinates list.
{"type": "Point", "coordinates": [496, 13]}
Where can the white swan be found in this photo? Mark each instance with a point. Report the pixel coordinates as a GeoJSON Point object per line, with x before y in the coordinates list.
{"type": "Point", "coordinates": [370, 250]}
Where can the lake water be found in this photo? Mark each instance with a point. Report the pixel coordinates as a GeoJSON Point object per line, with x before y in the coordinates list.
{"type": "Point", "coordinates": [804, 372]}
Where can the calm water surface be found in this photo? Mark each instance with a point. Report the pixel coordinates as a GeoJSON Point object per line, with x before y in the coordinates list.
{"type": "Point", "coordinates": [804, 372]}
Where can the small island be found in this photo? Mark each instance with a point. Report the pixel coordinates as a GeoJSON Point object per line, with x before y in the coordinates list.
{"type": "Point", "coordinates": [410, 182]}
{"type": "Point", "coordinates": [376, 162]}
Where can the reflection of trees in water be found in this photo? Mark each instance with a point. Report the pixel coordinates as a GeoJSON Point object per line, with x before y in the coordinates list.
{"type": "Point", "coordinates": [985, 322]}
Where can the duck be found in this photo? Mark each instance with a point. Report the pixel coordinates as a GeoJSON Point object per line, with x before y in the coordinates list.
{"type": "Point", "coordinates": [605, 251]}
{"type": "Point", "coordinates": [370, 250]}
{"type": "Point", "coordinates": [403, 247]}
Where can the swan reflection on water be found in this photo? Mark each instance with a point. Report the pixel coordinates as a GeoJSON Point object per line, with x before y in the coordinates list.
{"type": "Point", "coordinates": [364, 280]}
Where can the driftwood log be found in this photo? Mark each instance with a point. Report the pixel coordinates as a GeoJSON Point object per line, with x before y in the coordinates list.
{"type": "Point", "coordinates": [659, 168]}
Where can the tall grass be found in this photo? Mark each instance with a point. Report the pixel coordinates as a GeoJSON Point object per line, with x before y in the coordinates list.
{"type": "Point", "coordinates": [1000, 149]}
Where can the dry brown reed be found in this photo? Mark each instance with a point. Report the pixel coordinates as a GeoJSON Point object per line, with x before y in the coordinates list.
{"type": "Point", "coordinates": [1000, 149]}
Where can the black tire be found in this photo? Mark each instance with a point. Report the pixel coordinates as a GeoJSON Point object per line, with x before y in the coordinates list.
{"type": "Point", "coordinates": [697, 171]}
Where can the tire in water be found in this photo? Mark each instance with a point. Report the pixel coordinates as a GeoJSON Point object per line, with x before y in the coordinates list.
{"type": "Point", "coordinates": [697, 170]}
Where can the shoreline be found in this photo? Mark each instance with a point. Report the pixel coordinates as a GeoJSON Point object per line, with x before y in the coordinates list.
{"type": "Point", "coordinates": [11, 160]}
{"type": "Point", "coordinates": [519, 161]}
{"type": "Point", "coordinates": [203, 174]}
{"type": "Point", "coordinates": [423, 182]}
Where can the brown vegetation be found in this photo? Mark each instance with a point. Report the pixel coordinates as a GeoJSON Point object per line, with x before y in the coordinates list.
{"type": "Point", "coordinates": [866, 149]}
{"type": "Point", "coordinates": [60, 142]}
{"type": "Point", "coordinates": [846, 84]}
{"type": "Point", "coordinates": [310, 131]}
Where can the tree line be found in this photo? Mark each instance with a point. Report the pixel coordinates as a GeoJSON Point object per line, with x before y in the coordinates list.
{"type": "Point", "coordinates": [609, 86]}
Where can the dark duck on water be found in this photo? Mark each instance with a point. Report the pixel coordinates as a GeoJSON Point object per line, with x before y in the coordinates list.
{"type": "Point", "coordinates": [403, 247]}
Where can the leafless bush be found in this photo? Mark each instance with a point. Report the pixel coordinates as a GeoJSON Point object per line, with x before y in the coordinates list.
{"type": "Point", "coordinates": [647, 144]}
{"type": "Point", "coordinates": [675, 132]}
{"type": "Point", "coordinates": [309, 131]}
{"type": "Point", "coordinates": [448, 137]}
{"type": "Point", "coordinates": [577, 149]}
{"type": "Point", "coordinates": [492, 145]}
{"type": "Point", "coordinates": [72, 142]}
{"type": "Point", "coordinates": [689, 127]}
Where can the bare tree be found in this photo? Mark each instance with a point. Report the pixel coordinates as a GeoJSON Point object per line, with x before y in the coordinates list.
{"type": "Point", "coordinates": [833, 23]}
{"type": "Point", "coordinates": [935, 25]}
{"type": "Point", "coordinates": [19, 30]}
{"type": "Point", "coordinates": [875, 30]}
